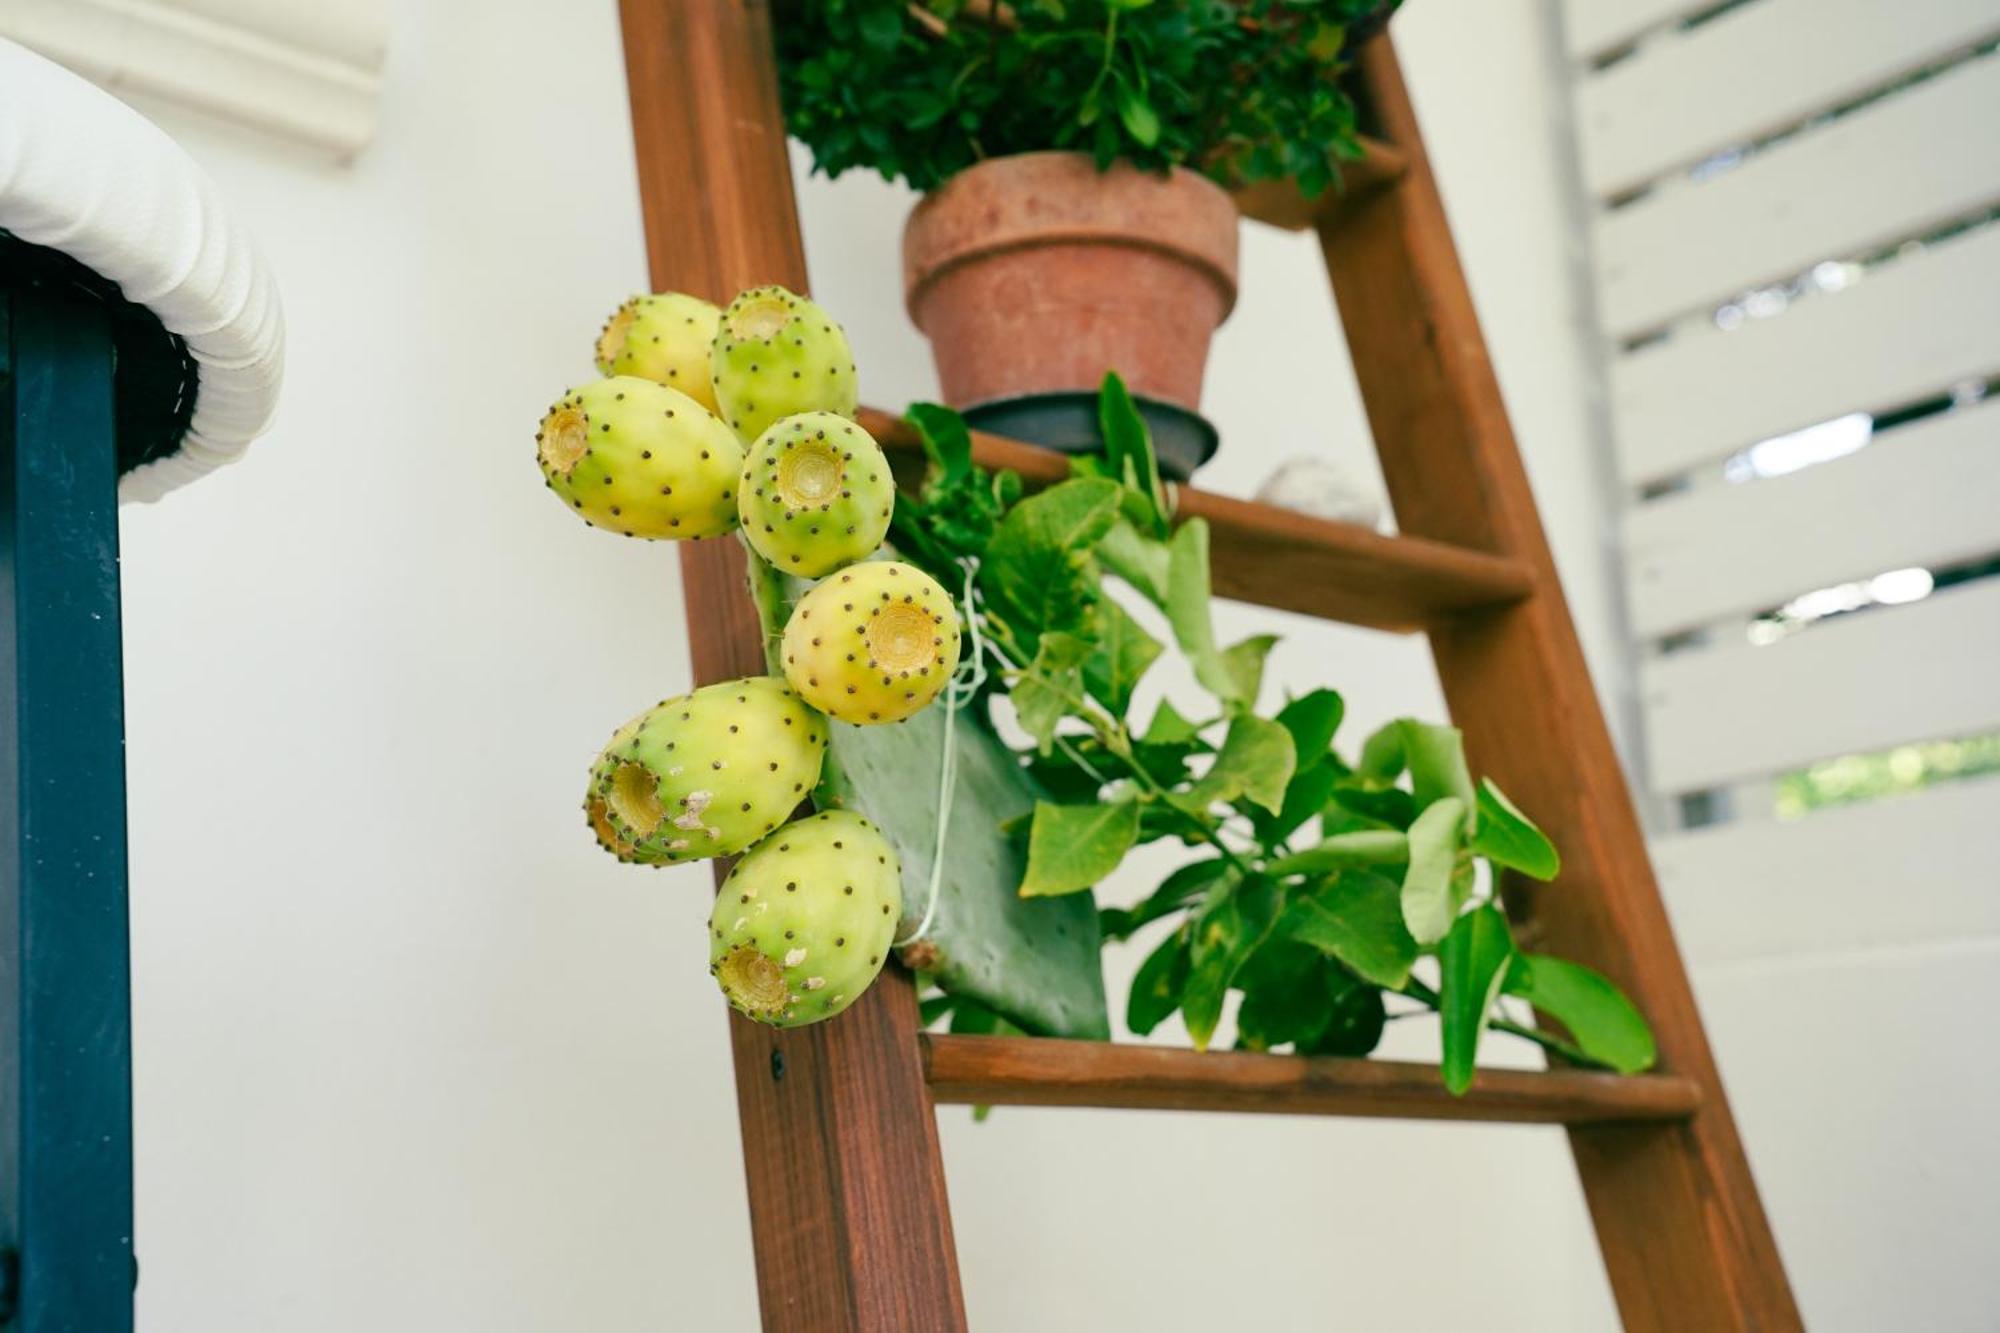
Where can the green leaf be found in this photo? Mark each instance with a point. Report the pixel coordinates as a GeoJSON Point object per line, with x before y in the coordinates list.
{"type": "Point", "coordinates": [1188, 613]}
{"type": "Point", "coordinates": [1435, 840]}
{"type": "Point", "coordinates": [1387, 807]}
{"type": "Point", "coordinates": [1244, 664]}
{"type": "Point", "coordinates": [1363, 847]}
{"type": "Point", "coordinates": [1382, 755]}
{"type": "Point", "coordinates": [1597, 1014]}
{"type": "Point", "coordinates": [1043, 692]}
{"type": "Point", "coordinates": [1173, 894]}
{"type": "Point", "coordinates": [1305, 796]}
{"type": "Point", "coordinates": [880, 27]}
{"type": "Point", "coordinates": [1128, 446]}
{"type": "Point", "coordinates": [1287, 996]}
{"type": "Point", "coordinates": [1124, 652]}
{"type": "Point", "coordinates": [1037, 564]}
{"type": "Point", "coordinates": [1140, 120]}
{"type": "Point", "coordinates": [1158, 985]}
{"type": "Point", "coordinates": [1039, 707]}
{"type": "Point", "coordinates": [1187, 589]}
{"type": "Point", "coordinates": [1436, 759]}
{"type": "Point", "coordinates": [1255, 762]}
{"type": "Point", "coordinates": [1140, 560]}
{"type": "Point", "coordinates": [1312, 719]}
{"type": "Point", "coordinates": [1472, 966]}
{"type": "Point", "coordinates": [1168, 727]}
{"type": "Point", "coordinates": [1072, 847]}
{"type": "Point", "coordinates": [1225, 935]}
{"type": "Point", "coordinates": [1357, 917]}
{"type": "Point", "coordinates": [1507, 837]}
{"type": "Point", "coordinates": [1354, 1025]}
{"type": "Point", "coordinates": [947, 442]}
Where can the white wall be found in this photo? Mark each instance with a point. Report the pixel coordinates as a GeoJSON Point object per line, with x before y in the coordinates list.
{"type": "Point", "coordinates": [413, 1055]}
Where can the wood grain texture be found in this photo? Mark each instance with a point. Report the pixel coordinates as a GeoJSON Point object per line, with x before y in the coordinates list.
{"type": "Point", "coordinates": [1279, 557]}
{"type": "Point", "coordinates": [1683, 1232]}
{"type": "Point", "coordinates": [847, 1195]}
{"type": "Point", "coordinates": [1027, 1071]}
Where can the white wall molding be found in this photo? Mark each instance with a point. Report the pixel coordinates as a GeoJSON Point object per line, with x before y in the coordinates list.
{"type": "Point", "coordinates": [303, 70]}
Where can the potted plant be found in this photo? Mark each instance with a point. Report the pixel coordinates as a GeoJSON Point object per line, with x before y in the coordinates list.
{"type": "Point", "coordinates": [1076, 158]}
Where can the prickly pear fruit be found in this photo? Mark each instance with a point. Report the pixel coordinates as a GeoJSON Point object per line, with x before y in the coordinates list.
{"type": "Point", "coordinates": [776, 355]}
{"type": "Point", "coordinates": [804, 921]}
{"type": "Point", "coordinates": [705, 774]}
{"type": "Point", "coordinates": [815, 494]}
{"type": "Point", "coordinates": [873, 643]}
{"type": "Point", "coordinates": [663, 338]}
{"type": "Point", "coordinates": [642, 459]}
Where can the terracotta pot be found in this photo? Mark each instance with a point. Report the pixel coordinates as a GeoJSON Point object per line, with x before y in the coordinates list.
{"type": "Point", "coordinates": [1037, 273]}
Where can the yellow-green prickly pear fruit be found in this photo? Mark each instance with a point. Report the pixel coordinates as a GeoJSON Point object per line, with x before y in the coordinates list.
{"type": "Point", "coordinates": [803, 923]}
{"type": "Point", "coordinates": [705, 774]}
{"type": "Point", "coordinates": [642, 459]}
{"type": "Point", "coordinates": [873, 643]}
{"type": "Point", "coordinates": [777, 355]}
{"type": "Point", "coordinates": [816, 494]}
{"type": "Point", "coordinates": [663, 338]}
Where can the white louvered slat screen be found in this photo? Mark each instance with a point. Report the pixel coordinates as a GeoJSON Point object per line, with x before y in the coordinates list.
{"type": "Point", "coordinates": [1794, 214]}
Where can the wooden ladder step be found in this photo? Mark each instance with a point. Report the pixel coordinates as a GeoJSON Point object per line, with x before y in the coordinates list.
{"type": "Point", "coordinates": [1278, 557]}
{"type": "Point", "coordinates": [1042, 1071]}
{"type": "Point", "coordinates": [1280, 203]}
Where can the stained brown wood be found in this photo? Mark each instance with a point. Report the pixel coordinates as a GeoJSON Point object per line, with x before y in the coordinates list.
{"type": "Point", "coordinates": [1280, 558]}
{"type": "Point", "coordinates": [1281, 204]}
{"type": "Point", "coordinates": [1029, 1071]}
{"type": "Point", "coordinates": [1678, 1218]}
{"type": "Point", "coordinates": [847, 1194]}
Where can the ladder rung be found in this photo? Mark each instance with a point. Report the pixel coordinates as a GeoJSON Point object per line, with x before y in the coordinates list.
{"type": "Point", "coordinates": [1279, 203]}
{"type": "Point", "coordinates": [1040, 1071]}
{"type": "Point", "coordinates": [1279, 557]}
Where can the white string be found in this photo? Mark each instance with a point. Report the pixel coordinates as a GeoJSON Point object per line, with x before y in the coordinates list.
{"type": "Point", "coordinates": [962, 689]}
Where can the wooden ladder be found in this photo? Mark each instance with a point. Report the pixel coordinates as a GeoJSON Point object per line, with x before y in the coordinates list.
{"type": "Point", "coordinates": [847, 1192]}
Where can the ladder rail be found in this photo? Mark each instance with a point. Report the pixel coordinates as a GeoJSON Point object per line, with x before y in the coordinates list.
{"type": "Point", "coordinates": [1682, 1229]}
{"type": "Point", "coordinates": [840, 1146]}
